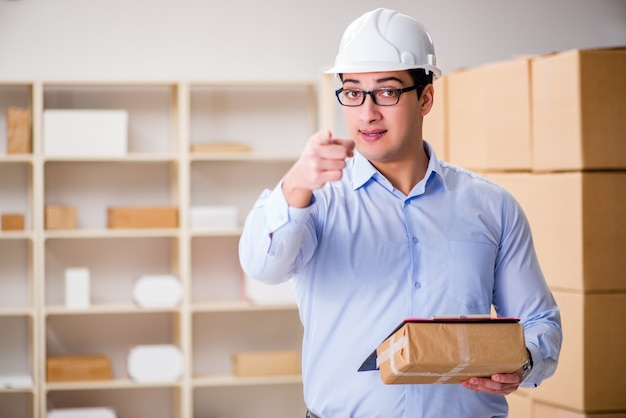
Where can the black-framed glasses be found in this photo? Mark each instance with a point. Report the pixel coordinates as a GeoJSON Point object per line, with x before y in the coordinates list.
{"type": "Point", "coordinates": [382, 97]}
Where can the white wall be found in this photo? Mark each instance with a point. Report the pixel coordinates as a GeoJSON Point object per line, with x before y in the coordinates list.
{"type": "Point", "coordinates": [273, 39]}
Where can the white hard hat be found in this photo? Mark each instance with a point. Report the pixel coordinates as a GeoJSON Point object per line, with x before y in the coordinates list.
{"type": "Point", "coordinates": [385, 40]}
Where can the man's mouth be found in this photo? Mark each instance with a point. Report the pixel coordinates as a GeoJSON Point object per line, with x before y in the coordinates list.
{"type": "Point", "coordinates": [372, 135]}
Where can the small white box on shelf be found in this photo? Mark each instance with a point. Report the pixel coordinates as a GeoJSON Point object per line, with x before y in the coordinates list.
{"type": "Point", "coordinates": [214, 217]}
{"type": "Point", "coordinates": [16, 381]}
{"type": "Point", "coordinates": [157, 291]}
{"type": "Point", "coordinates": [264, 294]}
{"type": "Point", "coordinates": [158, 362]}
{"type": "Point", "coordinates": [77, 289]}
{"type": "Point", "coordinates": [97, 412]}
{"type": "Point", "coordinates": [96, 133]}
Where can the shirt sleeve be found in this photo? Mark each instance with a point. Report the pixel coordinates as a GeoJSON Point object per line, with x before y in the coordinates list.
{"type": "Point", "coordinates": [521, 291]}
{"type": "Point", "coordinates": [276, 238]}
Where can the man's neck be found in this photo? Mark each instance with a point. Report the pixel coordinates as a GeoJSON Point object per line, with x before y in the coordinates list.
{"type": "Point", "coordinates": [405, 174]}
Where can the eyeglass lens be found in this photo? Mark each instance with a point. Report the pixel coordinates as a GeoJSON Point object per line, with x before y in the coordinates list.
{"type": "Point", "coordinates": [381, 97]}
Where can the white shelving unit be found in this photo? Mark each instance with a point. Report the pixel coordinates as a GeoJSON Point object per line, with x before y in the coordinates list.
{"type": "Point", "coordinates": [214, 320]}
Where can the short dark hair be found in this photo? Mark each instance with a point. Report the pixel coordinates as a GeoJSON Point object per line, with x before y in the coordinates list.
{"type": "Point", "coordinates": [421, 78]}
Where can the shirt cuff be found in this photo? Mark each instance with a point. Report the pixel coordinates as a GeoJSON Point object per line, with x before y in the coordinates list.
{"type": "Point", "coordinates": [279, 213]}
{"type": "Point", "coordinates": [534, 377]}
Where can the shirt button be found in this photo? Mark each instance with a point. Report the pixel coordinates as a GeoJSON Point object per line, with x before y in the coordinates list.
{"type": "Point", "coordinates": [415, 240]}
{"type": "Point", "coordinates": [417, 285]}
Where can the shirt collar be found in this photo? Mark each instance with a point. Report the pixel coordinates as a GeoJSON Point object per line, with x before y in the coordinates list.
{"type": "Point", "coordinates": [364, 170]}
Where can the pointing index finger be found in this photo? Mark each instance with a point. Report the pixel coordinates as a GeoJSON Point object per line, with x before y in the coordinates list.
{"type": "Point", "coordinates": [325, 138]}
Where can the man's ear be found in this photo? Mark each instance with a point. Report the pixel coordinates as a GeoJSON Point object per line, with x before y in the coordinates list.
{"type": "Point", "coordinates": [427, 99]}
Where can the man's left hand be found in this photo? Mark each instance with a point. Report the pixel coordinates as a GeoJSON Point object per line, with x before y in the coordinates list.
{"type": "Point", "coordinates": [498, 384]}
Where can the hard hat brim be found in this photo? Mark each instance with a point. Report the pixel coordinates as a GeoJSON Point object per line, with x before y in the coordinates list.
{"type": "Point", "coordinates": [378, 67]}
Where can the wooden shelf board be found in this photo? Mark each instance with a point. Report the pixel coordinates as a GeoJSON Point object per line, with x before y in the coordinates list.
{"type": "Point", "coordinates": [112, 233]}
{"type": "Point", "coordinates": [59, 310]}
{"type": "Point", "coordinates": [230, 380]}
{"type": "Point", "coordinates": [107, 384]}
{"type": "Point", "coordinates": [239, 306]}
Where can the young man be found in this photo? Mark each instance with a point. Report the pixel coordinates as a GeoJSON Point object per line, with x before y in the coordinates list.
{"type": "Point", "coordinates": [374, 229]}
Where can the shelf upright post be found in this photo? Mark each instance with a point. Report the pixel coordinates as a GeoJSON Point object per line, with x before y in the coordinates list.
{"type": "Point", "coordinates": [37, 213]}
{"type": "Point", "coordinates": [181, 113]}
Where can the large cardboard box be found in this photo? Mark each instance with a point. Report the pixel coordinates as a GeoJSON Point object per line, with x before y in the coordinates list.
{"type": "Point", "coordinates": [450, 351]}
{"type": "Point", "coordinates": [578, 110]}
{"type": "Point", "coordinates": [266, 363]}
{"type": "Point", "coordinates": [578, 221]}
{"type": "Point", "coordinates": [592, 364]}
{"type": "Point", "coordinates": [435, 128]}
{"type": "Point", "coordinates": [520, 405]}
{"type": "Point", "coordinates": [77, 368]}
{"type": "Point", "coordinates": [541, 410]}
{"type": "Point", "coordinates": [142, 217]}
{"type": "Point", "coordinates": [489, 116]}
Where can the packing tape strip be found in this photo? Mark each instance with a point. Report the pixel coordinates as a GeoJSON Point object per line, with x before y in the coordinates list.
{"type": "Point", "coordinates": [387, 354]}
{"type": "Point", "coordinates": [464, 357]}
{"type": "Point", "coordinates": [464, 354]}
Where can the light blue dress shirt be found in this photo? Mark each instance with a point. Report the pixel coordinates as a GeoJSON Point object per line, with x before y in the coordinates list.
{"type": "Point", "coordinates": [364, 256]}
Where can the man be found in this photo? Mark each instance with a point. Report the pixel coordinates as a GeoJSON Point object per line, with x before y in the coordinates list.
{"type": "Point", "coordinates": [374, 229]}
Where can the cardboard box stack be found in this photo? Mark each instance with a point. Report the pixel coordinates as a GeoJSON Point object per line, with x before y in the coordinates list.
{"type": "Point", "coordinates": [560, 148]}
{"type": "Point", "coordinates": [485, 105]}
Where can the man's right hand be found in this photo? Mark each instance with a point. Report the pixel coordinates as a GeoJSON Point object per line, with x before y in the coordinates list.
{"type": "Point", "coordinates": [322, 161]}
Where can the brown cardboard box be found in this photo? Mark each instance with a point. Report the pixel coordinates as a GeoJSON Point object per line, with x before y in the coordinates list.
{"type": "Point", "coordinates": [216, 147]}
{"type": "Point", "coordinates": [541, 410]}
{"type": "Point", "coordinates": [489, 116]}
{"type": "Point", "coordinates": [520, 405]}
{"type": "Point", "coordinates": [435, 128]}
{"type": "Point", "coordinates": [77, 368]}
{"type": "Point", "coordinates": [578, 220]}
{"type": "Point", "coordinates": [60, 217]}
{"type": "Point", "coordinates": [143, 217]}
{"type": "Point", "coordinates": [266, 363]}
{"type": "Point", "coordinates": [578, 110]}
{"type": "Point", "coordinates": [592, 364]}
{"type": "Point", "coordinates": [12, 222]}
{"type": "Point", "coordinates": [18, 131]}
{"type": "Point", "coordinates": [427, 351]}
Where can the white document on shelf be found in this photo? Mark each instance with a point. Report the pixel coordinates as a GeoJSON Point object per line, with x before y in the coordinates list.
{"type": "Point", "coordinates": [158, 291]}
{"type": "Point", "coordinates": [157, 362]}
{"type": "Point", "coordinates": [97, 412]}
{"type": "Point", "coordinates": [263, 294]}
{"type": "Point", "coordinates": [16, 381]}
